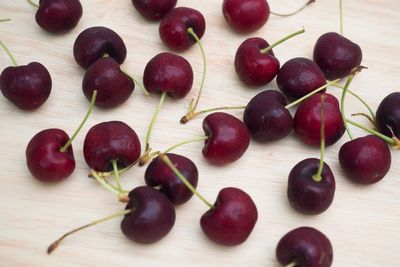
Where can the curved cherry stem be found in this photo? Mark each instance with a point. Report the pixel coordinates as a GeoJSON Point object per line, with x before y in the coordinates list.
{"type": "Point", "coordinates": [192, 108]}
{"type": "Point", "coordinates": [293, 13]}
{"type": "Point", "coordinates": [116, 175]}
{"type": "Point", "coordinates": [371, 120]}
{"type": "Point", "coordinates": [107, 174]}
{"type": "Point", "coordinates": [8, 53]}
{"type": "Point", "coordinates": [348, 82]}
{"type": "Point", "coordinates": [341, 16]}
{"type": "Point", "coordinates": [387, 139]}
{"type": "Point", "coordinates": [167, 161]}
{"type": "Point", "coordinates": [269, 48]}
{"type": "Point", "coordinates": [33, 3]}
{"type": "Point", "coordinates": [92, 102]}
{"type": "Point", "coordinates": [298, 101]}
{"type": "Point", "coordinates": [56, 243]}
{"type": "Point", "coordinates": [5, 20]}
{"type": "Point", "coordinates": [318, 176]}
{"type": "Point", "coordinates": [141, 86]}
{"type": "Point", "coordinates": [122, 194]}
{"type": "Point", "coordinates": [190, 116]}
{"type": "Point", "coordinates": [198, 139]}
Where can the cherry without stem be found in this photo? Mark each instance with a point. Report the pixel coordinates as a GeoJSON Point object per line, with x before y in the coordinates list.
{"type": "Point", "coordinates": [154, 10]}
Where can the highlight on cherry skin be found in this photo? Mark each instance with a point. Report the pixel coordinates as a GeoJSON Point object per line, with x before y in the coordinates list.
{"type": "Point", "coordinates": [154, 10]}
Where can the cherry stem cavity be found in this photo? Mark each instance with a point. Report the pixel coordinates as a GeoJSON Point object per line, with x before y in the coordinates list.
{"type": "Point", "coordinates": [269, 48]}
{"type": "Point", "coordinates": [56, 243]}
{"type": "Point", "coordinates": [390, 141]}
{"type": "Point", "coordinates": [92, 102]}
{"type": "Point", "coordinates": [116, 175]}
{"type": "Point", "coordinates": [341, 16]}
{"type": "Point", "coordinates": [295, 12]}
{"type": "Point", "coordinates": [318, 176]}
{"type": "Point", "coordinates": [33, 3]}
{"type": "Point", "coordinates": [5, 20]}
{"type": "Point", "coordinates": [8, 53]}
{"type": "Point", "coordinates": [141, 86]}
{"type": "Point", "coordinates": [190, 116]}
{"type": "Point", "coordinates": [167, 161]}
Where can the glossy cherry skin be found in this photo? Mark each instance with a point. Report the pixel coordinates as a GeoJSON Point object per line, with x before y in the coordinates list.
{"type": "Point", "coordinates": [365, 160]}
{"type": "Point", "coordinates": [108, 141]}
{"type": "Point", "coordinates": [152, 218]}
{"type": "Point", "coordinates": [113, 86]}
{"type": "Point", "coordinates": [307, 120]}
{"type": "Point", "coordinates": [174, 27]}
{"type": "Point", "coordinates": [27, 87]}
{"type": "Point", "coordinates": [45, 160]}
{"type": "Point", "coordinates": [267, 118]}
{"type": "Point", "coordinates": [253, 67]}
{"type": "Point", "coordinates": [306, 246]}
{"type": "Point", "coordinates": [298, 77]}
{"type": "Point", "coordinates": [336, 55]}
{"type": "Point", "coordinates": [153, 10]}
{"type": "Point", "coordinates": [232, 219]}
{"type": "Point", "coordinates": [304, 193]}
{"type": "Point", "coordinates": [167, 72]}
{"type": "Point", "coordinates": [228, 138]}
{"type": "Point", "coordinates": [93, 43]}
{"type": "Point", "coordinates": [160, 174]}
{"type": "Point", "coordinates": [246, 16]}
{"type": "Point", "coordinates": [388, 114]}
{"type": "Point", "coordinates": [58, 16]}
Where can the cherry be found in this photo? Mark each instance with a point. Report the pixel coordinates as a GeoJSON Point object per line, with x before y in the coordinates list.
{"type": "Point", "coordinates": [96, 42]}
{"type": "Point", "coordinates": [159, 174]}
{"type": "Point", "coordinates": [246, 16]}
{"type": "Point", "coordinates": [175, 25]}
{"type": "Point", "coordinates": [298, 77]}
{"type": "Point", "coordinates": [113, 85]}
{"type": "Point", "coordinates": [228, 138]}
{"type": "Point", "coordinates": [152, 216]}
{"type": "Point", "coordinates": [154, 9]}
{"type": "Point", "coordinates": [388, 115]}
{"type": "Point", "coordinates": [304, 247]}
{"type": "Point", "coordinates": [58, 16]}
{"type": "Point", "coordinates": [267, 118]}
{"type": "Point", "coordinates": [110, 143]}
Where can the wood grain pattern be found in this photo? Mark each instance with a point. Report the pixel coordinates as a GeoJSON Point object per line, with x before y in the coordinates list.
{"type": "Point", "coordinates": [363, 222]}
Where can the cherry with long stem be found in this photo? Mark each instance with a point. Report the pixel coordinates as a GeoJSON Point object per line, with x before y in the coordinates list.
{"type": "Point", "coordinates": [269, 48]}
{"type": "Point", "coordinates": [5, 48]}
{"type": "Point", "coordinates": [318, 176]}
{"type": "Point", "coordinates": [294, 12]}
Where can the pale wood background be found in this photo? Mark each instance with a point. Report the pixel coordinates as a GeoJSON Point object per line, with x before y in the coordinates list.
{"type": "Point", "coordinates": [363, 222]}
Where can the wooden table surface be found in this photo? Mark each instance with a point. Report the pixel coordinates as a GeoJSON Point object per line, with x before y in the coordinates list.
{"type": "Point", "coordinates": [363, 222]}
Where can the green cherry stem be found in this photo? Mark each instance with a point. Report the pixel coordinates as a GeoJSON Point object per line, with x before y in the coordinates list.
{"type": "Point", "coordinates": [341, 16]}
{"type": "Point", "coordinates": [92, 102]}
{"type": "Point", "coordinates": [32, 3]}
{"type": "Point", "coordinates": [387, 139]}
{"type": "Point", "coordinates": [348, 82]}
{"type": "Point", "coordinates": [292, 264]}
{"type": "Point", "coordinates": [202, 138]}
{"type": "Point", "coordinates": [107, 174]}
{"type": "Point", "coordinates": [190, 116]}
{"type": "Point", "coordinates": [56, 243]}
{"type": "Point", "coordinates": [8, 53]}
{"type": "Point", "coordinates": [167, 161]}
{"type": "Point", "coordinates": [141, 86]}
{"type": "Point", "coordinates": [318, 176]}
{"type": "Point", "coordinates": [106, 185]}
{"type": "Point", "coordinates": [293, 13]}
{"type": "Point", "coordinates": [116, 175]}
{"type": "Point", "coordinates": [5, 20]}
{"type": "Point", "coordinates": [371, 120]}
{"type": "Point", "coordinates": [298, 101]}
{"type": "Point", "coordinates": [269, 48]}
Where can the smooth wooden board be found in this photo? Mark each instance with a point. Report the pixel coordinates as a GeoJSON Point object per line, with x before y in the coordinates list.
{"type": "Point", "coordinates": [363, 222]}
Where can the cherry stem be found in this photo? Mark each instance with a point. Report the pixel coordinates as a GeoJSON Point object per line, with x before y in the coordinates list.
{"type": "Point", "coordinates": [269, 48]}
{"type": "Point", "coordinates": [192, 108]}
{"type": "Point", "coordinates": [8, 53]}
{"type": "Point", "coordinates": [56, 243]}
{"type": "Point", "coordinates": [107, 174]}
{"type": "Point", "coordinates": [5, 20]}
{"type": "Point", "coordinates": [141, 86]}
{"type": "Point", "coordinates": [371, 131]}
{"type": "Point", "coordinates": [341, 16]}
{"type": "Point", "coordinates": [92, 102]}
{"type": "Point", "coordinates": [32, 3]}
{"type": "Point", "coordinates": [318, 176]}
{"type": "Point", "coordinates": [298, 101]}
{"type": "Point", "coordinates": [116, 175]}
{"type": "Point", "coordinates": [295, 12]}
{"type": "Point", "coordinates": [190, 116]}
{"type": "Point", "coordinates": [202, 138]}
{"type": "Point", "coordinates": [371, 120]}
{"type": "Point", "coordinates": [349, 80]}
{"type": "Point", "coordinates": [167, 161]}
{"type": "Point", "coordinates": [122, 195]}
{"type": "Point", "coordinates": [292, 264]}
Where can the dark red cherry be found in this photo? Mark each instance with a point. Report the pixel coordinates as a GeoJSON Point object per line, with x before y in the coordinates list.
{"type": "Point", "coordinates": [160, 174]}
{"type": "Point", "coordinates": [267, 118]}
{"type": "Point", "coordinates": [58, 16]}
{"type": "Point", "coordinates": [174, 28]}
{"type": "Point", "coordinates": [44, 158]}
{"type": "Point", "coordinates": [167, 72]}
{"type": "Point", "coordinates": [307, 120]}
{"type": "Point", "coordinates": [246, 15]}
{"type": "Point", "coordinates": [96, 42]}
{"type": "Point", "coordinates": [232, 219]}
{"type": "Point", "coordinates": [152, 216]}
{"type": "Point", "coordinates": [114, 87]}
{"type": "Point", "coordinates": [254, 67]}
{"type": "Point", "coordinates": [108, 141]}
{"type": "Point", "coordinates": [388, 115]}
{"type": "Point", "coordinates": [365, 160]}
{"type": "Point", "coordinates": [336, 55]}
{"type": "Point", "coordinates": [306, 247]}
{"type": "Point", "coordinates": [306, 194]}
{"type": "Point", "coordinates": [27, 87]}
{"type": "Point", "coordinates": [153, 9]}
{"type": "Point", "coordinates": [298, 77]}
{"type": "Point", "coordinates": [228, 138]}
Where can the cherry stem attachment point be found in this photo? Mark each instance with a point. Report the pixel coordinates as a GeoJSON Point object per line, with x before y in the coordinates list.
{"type": "Point", "coordinates": [8, 53]}
{"type": "Point", "coordinates": [269, 48]}
{"type": "Point", "coordinates": [341, 16]}
{"type": "Point", "coordinates": [116, 175]}
{"type": "Point", "coordinates": [5, 20]}
{"type": "Point", "coordinates": [32, 3]}
{"type": "Point", "coordinates": [141, 86]}
{"type": "Point", "coordinates": [56, 243]}
{"type": "Point", "coordinates": [318, 176]}
{"type": "Point", "coordinates": [92, 102]}
{"type": "Point", "coordinates": [167, 161]}
{"type": "Point", "coordinates": [298, 101]}
{"type": "Point", "coordinates": [295, 12]}
{"type": "Point", "coordinates": [390, 141]}
{"type": "Point", "coordinates": [190, 116]}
